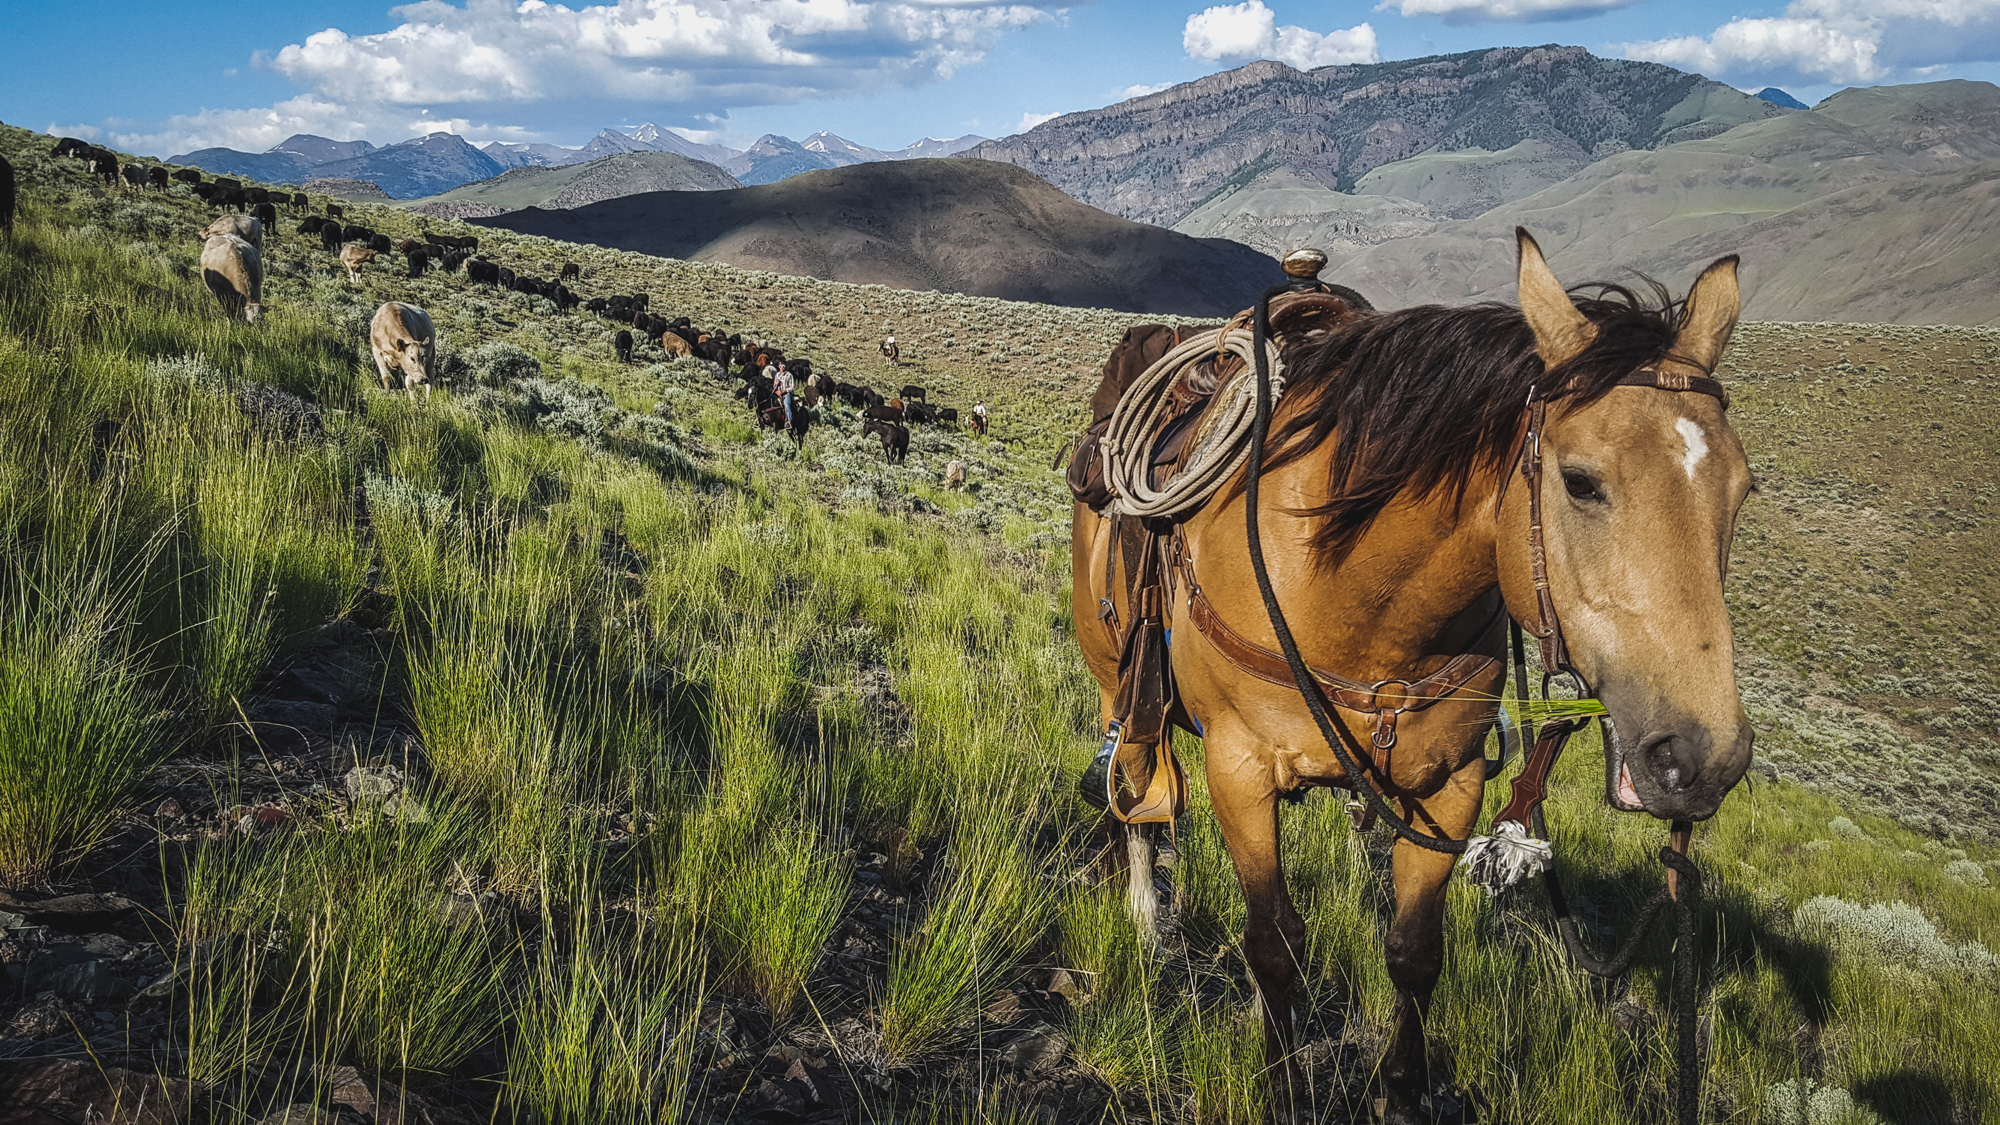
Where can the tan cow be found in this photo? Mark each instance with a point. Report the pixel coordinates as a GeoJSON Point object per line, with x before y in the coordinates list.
{"type": "Point", "coordinates": [673, 345]}
{"type": "Point", "coordinates": [234, 272]}
{"type": "Point", "coordinates": [954, 476]}
{"type": "Point", "coordinates": [403, 341]}
{"type": "Point", "coordinates": [353, 256]}
{"type": "Point", "coordinates": [245, 227]}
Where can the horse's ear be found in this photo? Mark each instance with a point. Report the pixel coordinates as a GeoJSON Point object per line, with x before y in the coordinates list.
{"type": "Point", "coordinates": [1561, 332]}
{"type": "Point", "coordinates": [1709, 319]}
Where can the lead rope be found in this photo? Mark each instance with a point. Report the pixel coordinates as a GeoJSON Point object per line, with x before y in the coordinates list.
{"type": "Point", "coordinates": [1347, 749]}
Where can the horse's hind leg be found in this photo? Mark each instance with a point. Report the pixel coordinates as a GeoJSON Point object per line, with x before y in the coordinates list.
{"type": "Point", "coordinates": [1274, 938]}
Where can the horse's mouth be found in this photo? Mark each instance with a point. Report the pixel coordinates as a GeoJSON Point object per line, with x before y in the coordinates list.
{"type": "Point", "coordinates": [1619, 790]}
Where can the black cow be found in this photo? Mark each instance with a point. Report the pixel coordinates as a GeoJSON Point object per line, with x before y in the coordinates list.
{"type": "Point", "coordinates": [353, 233]}
{"type": "Point", "coordinates": [227, 182]}
{"type": "Point", "coordinates": [257, 194]}
{"type": "Point", "coordinates": [329, 237]}
{"type": "Point", "coordinates": [161, 178]}
{"type": "Point", "coordinates": [189, 176]}
{"type": "Point", "coordinates": [268, 215]}
{"type": "Point", "coordinates": [571, 272]}
{"type": "Point", "coordinates": [505, 278]}
{"type": "Point", "coordinates": [948, 415]}
{"type": "Point", "coordinates": [623, 344]}
{"type": "Point", "coordinates": [453, 259]}
{"type": "Point", "coordinates": [566, 300]}
{"type": "Point", "coordinates": [919, 411]}
{"type": "Point", "coordinates": [70, 146]}
{"type": "Point", "coordinates": [236, 197]}
{"type": "Point", "coordinates": [380, 244]}
{"type": "Point", "coordinates": [301, 199]}
{"type": "Point", "coordinates": [910, 392]}
{"type": "Point", "coordinates": [895, 439]}
{"type": "Point", "coordinates": [419, 262]}
{"type": "Point", "coordinates": [481, 271]}
{"type": "Point", "coordinates": [103, 164]}
{"type": "Point", "coordinates": [596, 305]}
{"type": "Point", "coordinates": [311, 224]}
{"type": "Point", "coordinates": [333, 211]}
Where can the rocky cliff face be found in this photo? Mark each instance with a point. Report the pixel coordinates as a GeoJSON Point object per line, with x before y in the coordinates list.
{"type": "Point", "coordinates": [1158, 157]}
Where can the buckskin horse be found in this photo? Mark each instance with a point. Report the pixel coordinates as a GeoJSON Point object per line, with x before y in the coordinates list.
{"type": "Point", "coordinates": [1395, 546]}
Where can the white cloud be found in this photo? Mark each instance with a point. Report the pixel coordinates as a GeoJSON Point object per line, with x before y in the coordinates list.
{"type": "Point", "coordinates": [1142, 90]}
{"type": "Point", "coordinates": [1839, 41]}
{"type": "Point", "coordinates": [1249, 30]}
{"type": "Point", "coordinates": [1030, 120]}
{"type": "Point", "coordinates": [448, 66]}
{"type": "Point", "coordinates": [1458, 12]}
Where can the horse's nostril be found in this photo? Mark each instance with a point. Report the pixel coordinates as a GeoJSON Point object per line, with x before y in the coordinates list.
{"type": "Point", "coordinates": [1664, 754]}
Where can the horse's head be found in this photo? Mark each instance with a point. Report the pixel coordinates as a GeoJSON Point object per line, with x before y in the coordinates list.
{"type": "Point", "coordinates": [1639, 491]}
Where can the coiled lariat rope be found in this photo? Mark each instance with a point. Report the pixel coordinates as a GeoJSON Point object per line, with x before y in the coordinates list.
{"type": "Point", "coordinates": [1127, 444]}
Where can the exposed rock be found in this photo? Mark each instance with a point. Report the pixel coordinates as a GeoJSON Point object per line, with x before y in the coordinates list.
{"type": "Point", "coordinates": [347, 187]}
{"type": "Point", "coordinates": [371, 784]}
{"type": "Point", "coordinates": [1038, 1049]}
{"type": "Point", "coordinates": [64, 1091]}
{"type": "Point", "coordinates": [82, 967]}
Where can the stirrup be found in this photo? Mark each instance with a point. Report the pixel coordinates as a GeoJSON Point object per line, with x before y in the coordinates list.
{"type": "Point", "coordinates": [1164, 799]}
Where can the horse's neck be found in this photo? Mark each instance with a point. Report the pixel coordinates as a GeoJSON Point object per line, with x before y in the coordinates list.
{"type": "Point", "coordinates": [1410, 590]}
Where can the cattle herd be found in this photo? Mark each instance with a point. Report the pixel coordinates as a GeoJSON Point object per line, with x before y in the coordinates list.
{"type": "Point", "coordinates": [402, 338]}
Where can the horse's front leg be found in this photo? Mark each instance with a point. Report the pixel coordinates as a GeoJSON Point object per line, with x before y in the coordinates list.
{"type": "Point", "coordinates": [1415, 952]}
{"type": "Point", "coordinates": [1274, 936]}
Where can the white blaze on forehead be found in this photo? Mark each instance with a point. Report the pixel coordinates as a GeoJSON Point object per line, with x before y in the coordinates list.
{"type": "Point", "coordinates": [1696, 442]}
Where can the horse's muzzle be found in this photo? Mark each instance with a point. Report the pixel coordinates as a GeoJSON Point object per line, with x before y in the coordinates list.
{"type": "Point", "coordinates": [1674, 773]}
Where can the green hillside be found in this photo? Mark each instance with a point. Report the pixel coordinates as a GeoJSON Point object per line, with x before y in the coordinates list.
{"type": "Point", "coordinates": [576, 185]}
{"type": "Point", "coordinates": [560, 748]}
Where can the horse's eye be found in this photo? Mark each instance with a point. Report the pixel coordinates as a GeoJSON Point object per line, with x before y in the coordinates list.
{"type": "Point", "coordinates": [1581, 485]}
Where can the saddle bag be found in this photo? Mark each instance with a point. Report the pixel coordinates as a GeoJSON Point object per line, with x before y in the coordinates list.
{"type": "Point", "coordinates": [1086, 470]}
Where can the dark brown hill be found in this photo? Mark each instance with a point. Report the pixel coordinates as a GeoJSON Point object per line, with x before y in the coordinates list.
{"type": "Point", "coordinates": [960, 226]}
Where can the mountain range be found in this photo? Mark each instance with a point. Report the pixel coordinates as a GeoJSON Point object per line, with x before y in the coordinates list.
{"type": "Point", "coordinates": [964, 226]}
{"type": "Point", "coordinates": [439, 162]}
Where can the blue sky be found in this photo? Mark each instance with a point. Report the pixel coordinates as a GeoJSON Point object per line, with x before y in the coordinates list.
{"type": "Point", "coordinates": [166, 78]}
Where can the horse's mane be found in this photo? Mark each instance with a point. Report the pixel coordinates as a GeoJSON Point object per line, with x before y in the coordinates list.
{"type": "Point", "coordinates": [1422, 398]}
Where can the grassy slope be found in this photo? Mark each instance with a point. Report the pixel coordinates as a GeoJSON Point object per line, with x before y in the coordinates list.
{"type": "Point", "coordinates": [830, 679]}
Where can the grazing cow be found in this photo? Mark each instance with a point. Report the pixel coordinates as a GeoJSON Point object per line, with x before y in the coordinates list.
{"type": "Point", "coordinates": [380, 244]}
{"type": "Point", "coordinates": [596, 305]}
{"type": "Point", "coordinates": [136, 175]}
{"type": "Point", "coordinates": [505, 278]}
{"type": "Point", "coordinates": [70, 146]}
{"type": "Point", "coordinates": [244, 227]}
{"type": "Point", "coordinates": [948, 415]}
{"type": "Point", "coordinates": [910, 392]}
{"type": "Point", "coordinates": [919, 412]}
{"type": "Point", "coordinates": [257, 195]}
{"type": "Point", "coordinates": [161, 178]}
{"type": "Point", "coordinates": [622, 343]}
{"type": "Point", "coordinates": [234, 272]}
{"type": "Point", "coordinates": [895, 439]}
{"type": "Point", "coordinates": [103, 163]}
{"type": "Point", "coordinates": [334, 211]}
{"type": "Point", "coordinates": [571, 272]}
{"type": "Point", "coordinates": [885, 413]}
{"type": "Point", "coordinates": [403, 341]}
{"type": "Point", "coordinates": [236, 197]}
{"type": "Point", "coordinates": [566, 300]}
{"type": "Point", "coordinates": [311, 224]}
{"type": "Point", "coordinates": [675, 346]}
{"type": "Point", "coordinates": [228, 183]}
{"type": "Point", "coordinates": [482, 271]}
{"type": "Point", "coordinates": [954, 476]}
{"type": "Point", "coordinates": [452, 260]}
{"type": "Point", "coordinates": [354, 257]}
{"type": "Point", "coordinates": [189, 176]}
{"type": "Point", "coordinates": [354, 233]}
{"type": "Point", "coordinates": [329, 237]}
{"type": "Point", "coordinates": [268, 215]}
{"type": "Point", "coordinates": [301, 199]}
{"type": "Point", "coordinates": [419, 262]}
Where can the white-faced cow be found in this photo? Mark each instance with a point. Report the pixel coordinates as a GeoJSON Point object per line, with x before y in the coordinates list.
{"type": "Point", "coordinates": [404, 342]}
